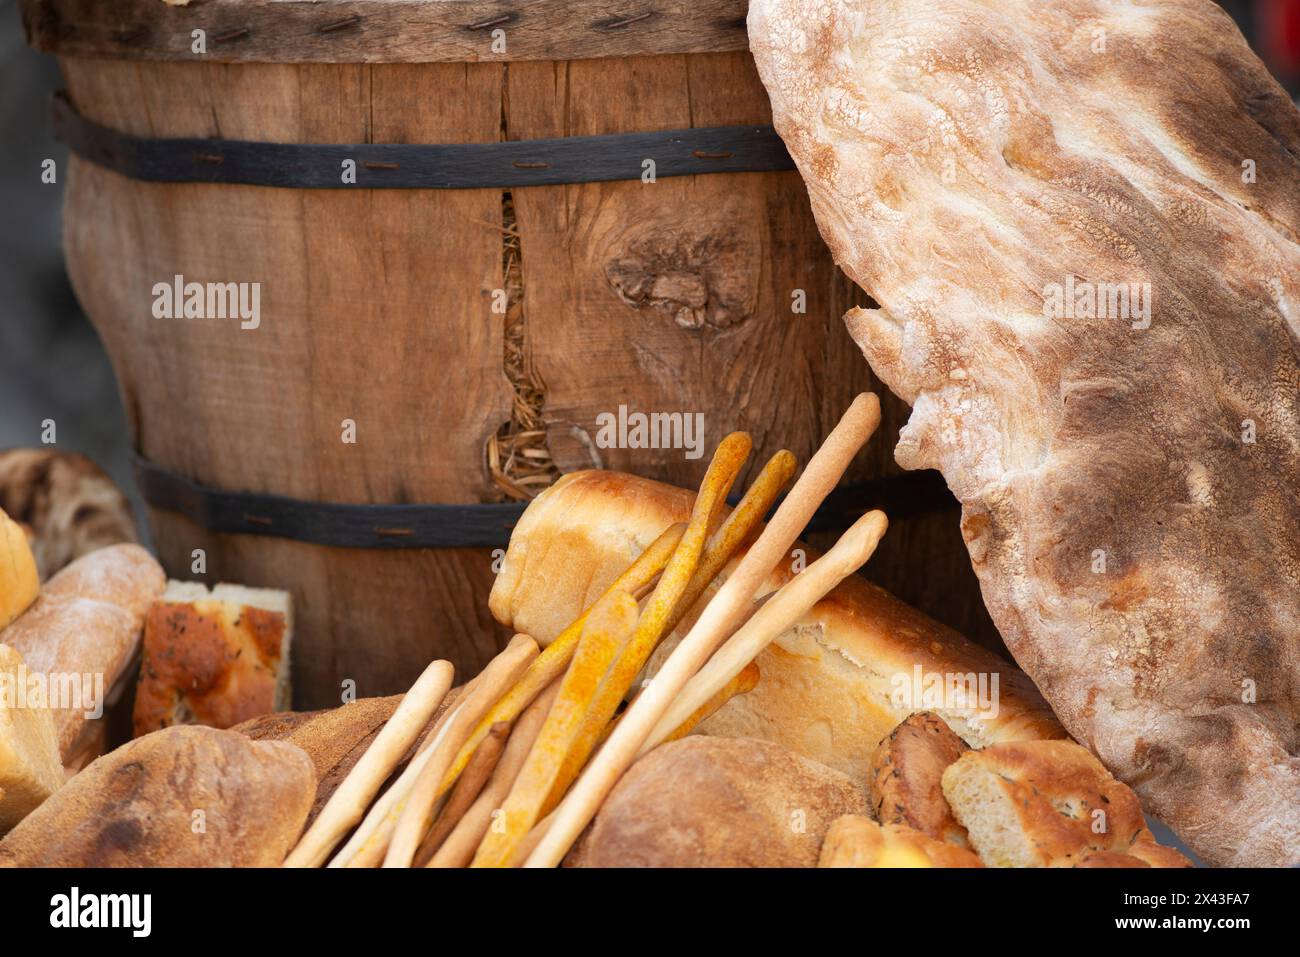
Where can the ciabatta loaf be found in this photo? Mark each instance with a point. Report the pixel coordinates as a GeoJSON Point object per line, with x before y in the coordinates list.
{"type": "Point", "coordinates": [215, 658]}
{"type": "Point", "coordinates": [180, 797]}
{"type": "Point", "coordinates": [84, 630]}
{"type": "Point", "coordinates": [830, 688]}
{"type": "Point", "coordinates": [1080, 222]}
{"type": "Point", "coordinates": [1049, 804]}
{"type": "Point", "coordinates": [719, 802]}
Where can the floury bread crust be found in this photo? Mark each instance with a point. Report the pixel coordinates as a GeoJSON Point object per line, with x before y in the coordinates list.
{"type": "Point", "coordinates": [1131, 495]}
{"type": "Point", "coordinates": [827, 688]}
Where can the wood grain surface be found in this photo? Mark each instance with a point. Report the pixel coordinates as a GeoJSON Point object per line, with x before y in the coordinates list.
{"type": "Point", "coordinates": [384, 31]}
{"type": "Point", "coordinates": [376, 306]}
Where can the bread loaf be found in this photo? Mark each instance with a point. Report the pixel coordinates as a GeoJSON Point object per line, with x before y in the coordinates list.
{"type": "Point", "coordinates": [1048, 804]}
{"type": "Point", "coordinates": [19, 583]}
{"type": "Point", "coordinates": [906, 783]}
{"type": "Point", "coordinates": [830, 689]}
{"type": "Point", "coordinates": [335, 738]}
{"type": "Point", "coordinates": [72, 507]}
{"type": "Point", "coordinates": [1079, 220]}
{"type": "Point", "coordinates": [214, 658]}
{"type": "Point", "coordinates": [856, 841]}
{"type": "Point", "coordinates": [186, 796]}
{"type": "Point", "coordinates": [84, 629]}
{"type": "Point", "coordinates": [30, 770]}
{"type": "Point", "coordinates": [719, 802]}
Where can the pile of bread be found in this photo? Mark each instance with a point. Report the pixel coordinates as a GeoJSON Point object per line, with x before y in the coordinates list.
{"type": "Point", "coordinates": [815, 754]}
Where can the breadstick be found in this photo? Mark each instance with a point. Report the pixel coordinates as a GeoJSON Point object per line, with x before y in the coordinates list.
{"type": "Point", "coordinates": [347, 805]}
{"type": "Point", "coordinates": [414, 815]}
{"type": "Point", "coordinates": [777, 615]}
{"type": "Point", "coordinates": [369, 842]}
{"type": "Point", "coordinates": [722, 546]}
{"type": "Point", "coordinates": [471, 782]}
{"type": "Point", "coordinates": [665, 609]}
{"type": "Point", "coordinates": [744, 681]}
{"type": "Point", "coordinates": [608, 630]}
{"type": "Point", "coordinates": [459, 847]}
{"type": "Point", "coordinates": [550, 664]}
{"type": "Point", "coordinates": [362, 849]}
{"type": "Point", "coordinates": [716, 622]}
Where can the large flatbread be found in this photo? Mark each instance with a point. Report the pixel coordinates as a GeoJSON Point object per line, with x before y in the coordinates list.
{"type": "Point", "coordinates": [1080, 222]}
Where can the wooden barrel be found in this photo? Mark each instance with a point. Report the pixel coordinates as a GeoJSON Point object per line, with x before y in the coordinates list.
{"type": "Point", "coordinates": [426, 357]}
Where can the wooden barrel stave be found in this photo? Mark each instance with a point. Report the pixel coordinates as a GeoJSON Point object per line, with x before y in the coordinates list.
{"type": "Point", "coordinates": [377, 307]}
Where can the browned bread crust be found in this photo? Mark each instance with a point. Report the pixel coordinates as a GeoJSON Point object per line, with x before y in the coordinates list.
{"type": "Point", "coordinates": [87, 621]}
{"type": "Point", "coordinates": [829, 685]}
{"type": "Point", "coordinates": [856, 841]}
{"type": "Point", "coordinates": [907, 773]}
{"type": "Point", "coordinates": [335, 738]}
{"type": "Point", "coordinates": [719, 802]}
{"type": "Point", "coordinates": [209, 662]}
{"type": "Point", "coordinates": [186, 796]}
{"type": "Point", "coordinates": [19, 582]}
{"type": "Point", "coordinates": [996, 176]}
{"type": "Point", "coordinates": [1048, 804]}
{"type": "Point", "coordinates": [71, 505]}
{"type": "Point", "coordinates": [30, 769]}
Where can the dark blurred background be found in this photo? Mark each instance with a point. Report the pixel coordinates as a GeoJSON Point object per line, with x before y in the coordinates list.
{"type": "Point", "coordinates": [51, 363]}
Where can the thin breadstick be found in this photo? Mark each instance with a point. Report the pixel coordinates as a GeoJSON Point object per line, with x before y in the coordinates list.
{"type": "Point", "coordinates": [743, 682]}
{"type": "Point", "coordinates": [347, 805]}
{"type": "Point", "coordinates": [366, 846]}
{"type": "Point", "coordinates": [722, 546]}
{"type": "Point", "coordinates": [415, 814]}
{"type": "Point", "coordinates": [550, 664]}
{"type": "Point", "coordinates": [369, 842]}
{"type": "Point", "coordinates": [459, 847]}
{"type": "Point", "coordinates": [777, 616]}
{"type": "Point", "coordinates": [362, 848]}
{"type": "Point", "coordinates": [608, 630]}
{"type": "Point", "coordinates": [472, 781]}
{"type": "Point", "coordinates": [715, 623]}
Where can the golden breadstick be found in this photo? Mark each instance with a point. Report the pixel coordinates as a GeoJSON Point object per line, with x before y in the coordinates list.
{"type": "Point", "coordinates": [468, 786]}
{"type": "Point", "coordinates": [778, 615]}
{"type": "Point", "coordinates": [414, 815]}
{"type": "Point", "coordinates": [550, 664]}
{"type": "Point", "coordinates": [716, 622]}
{"type": "Point", "coordinates": [744, 681]}
{"type": "Point", "coordinates": [459, 847]}
{"type": "Point", "coordinates": [369, 842]}
{"type": "Point", "coordinates": [723, 544]}
{"type": "Point", "coordinates": [608, 629]}
{"type": "Point", "coordinates": [361, 849]}
{"type": "Point", "coordinates": [347, 805]}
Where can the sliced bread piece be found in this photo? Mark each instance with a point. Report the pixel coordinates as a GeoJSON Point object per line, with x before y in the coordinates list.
{"type": "Point", "coordinates": [214, 658]}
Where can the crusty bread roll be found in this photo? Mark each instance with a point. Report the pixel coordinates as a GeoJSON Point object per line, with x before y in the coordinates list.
{"type": "Point", "coordinates": [857, 841]}
{"type": "Point", "coordinates": [70, 504]}
{"type": "Point", "coordinates": [19, 582]}
{"type": "Point", "coordinates": [215, 658]}
{"type": "Point", "coordinates": [335, 738]}
{"type": "Point", "coordinates": [830, 687]}
{"type": "Point", "coordinates": [1048, 804]}
{"type": "Point", "coordinates": [85, 627]}
{"type": "Point", "coordinates": [906, 783]}
{"type": "Point", "coordinates": [30, 770]}
{"type": "Point", "coordinates": [719, 802]}
{"type": "Point", "coordinates": [186, 796]}
{"type": "Point", "coordinates": [1079, 220]}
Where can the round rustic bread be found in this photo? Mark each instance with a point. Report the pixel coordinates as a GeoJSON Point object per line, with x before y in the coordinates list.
{"type": "Point", "coordinates": [185, 796]}
{"type": "Point", "coordinates": [719, 802]}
